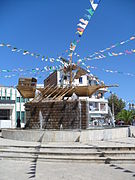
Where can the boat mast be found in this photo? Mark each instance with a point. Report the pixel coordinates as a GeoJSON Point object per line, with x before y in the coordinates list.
{"type": "Point", "coordinates": [70, 71]}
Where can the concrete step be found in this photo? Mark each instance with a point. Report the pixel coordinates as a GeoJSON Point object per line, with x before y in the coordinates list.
{"type": "Point", "coordinates": [106, 160]}
{"type": "Point", "coordinates": [63, 152]}
{"type": "Point", "coordinates": [99, 148]}
{"type": "Point", "coordinates": [75, 153]}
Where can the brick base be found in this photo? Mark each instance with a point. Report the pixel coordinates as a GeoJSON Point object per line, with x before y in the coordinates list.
{"type": "Point", "coordinates": [70, 114]}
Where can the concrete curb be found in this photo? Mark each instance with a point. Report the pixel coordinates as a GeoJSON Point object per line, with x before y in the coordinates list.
{"type": "Point", "coordinates": [83, 136]}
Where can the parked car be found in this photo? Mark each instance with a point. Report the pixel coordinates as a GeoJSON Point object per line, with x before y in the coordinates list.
{"type": "Point", "coordinates": [120, 123]}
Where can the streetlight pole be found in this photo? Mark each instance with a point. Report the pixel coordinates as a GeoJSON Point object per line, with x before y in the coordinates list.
{"type": "Point", "coordinates": [112, 106]}
{"type": "Point", "coordinates": [70, 70]}
{"type": "Point", "coordinates": [113, 122]}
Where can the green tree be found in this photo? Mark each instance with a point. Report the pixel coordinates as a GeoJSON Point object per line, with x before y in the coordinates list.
{"type": "Point", "coordinates": [118, 104]}
{"type": "Point", "coordinates": [126, 116]}
{"type": "Point", "coordinates": [133, 111]}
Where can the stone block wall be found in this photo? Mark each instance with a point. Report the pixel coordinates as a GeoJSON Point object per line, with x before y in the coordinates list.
{"type": "Point", "coordinates": [68, 114]}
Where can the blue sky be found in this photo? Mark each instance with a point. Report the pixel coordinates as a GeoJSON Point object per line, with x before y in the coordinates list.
{"type": "Point", "coordinates": [48, 27]}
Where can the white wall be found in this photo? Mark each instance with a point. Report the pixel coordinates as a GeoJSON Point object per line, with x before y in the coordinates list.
{"type": "Point", "coordinates": [17, 106]}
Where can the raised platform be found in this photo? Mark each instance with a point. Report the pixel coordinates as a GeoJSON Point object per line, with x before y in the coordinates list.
{"type": "Point", "coordinates": [82, 136]}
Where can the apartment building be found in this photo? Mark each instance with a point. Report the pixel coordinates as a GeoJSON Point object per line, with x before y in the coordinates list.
{"type": "Point", "coordinates": [11, 107]}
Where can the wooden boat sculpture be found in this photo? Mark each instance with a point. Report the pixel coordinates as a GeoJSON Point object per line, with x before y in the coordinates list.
{"type": "Point", "coordinates": [27, 88]}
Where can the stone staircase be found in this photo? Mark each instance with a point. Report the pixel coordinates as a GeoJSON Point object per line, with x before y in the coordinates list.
{"type": "Point", "coordinates": [70, 152]}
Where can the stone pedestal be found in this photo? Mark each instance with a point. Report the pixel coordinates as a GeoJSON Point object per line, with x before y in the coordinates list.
{"type": "Point", "coordinates": [57, 114]}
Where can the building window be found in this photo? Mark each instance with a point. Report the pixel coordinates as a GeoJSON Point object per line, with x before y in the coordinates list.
{"type": "Point", "coordinates": [22, 99]}
{"type": "Point", "coordinates": [22, 117]}
{"type": "Point", "coordinates": [18, 99]}
{"type": "Point", "coordinates": [94, 106]}
{"type": "Point", "coordinates": [4, 114]}
{"type": "Point", "coordinates": [102, 107]}
{"type": "Point", "coordinates": [26, 99]}
{"type": "Point", "coordinates": [65, 78]}
{"type": "Point", "coordinates": [3, 97]}
{"type": "Point", "coordinates": [80, 80]}
{"type": "Point", "coordinates": [8, 98]}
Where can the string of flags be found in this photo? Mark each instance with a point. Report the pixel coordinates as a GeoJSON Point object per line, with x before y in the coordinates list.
{"type": "Point", "coordinates": [26, 52]}
{"type": "Point", "coordinates": [100, 56]}
{"type": "Point", "coordinates": [108, 54]}
{"type": "Point", "coordinates": [96, 55]}
{"type": "Point", "coordinates": [107, 70]}
{"type": "Point", "coordinates": [20, 71]}
{"type": "Point", "coordinates": [112, 46]}
{"type": "Point", "coordinates": [45, 68]}
{"type": "Point", "coordinates": [20, 50]}
{"type": "Point", "coordinates": [83, 23]}
{"type": "Point", "coordinates": [53, 68]}
{"type": "Point", "coordinates": [81, 26]}
{"type": "Point", "coordinates": [39, 56]}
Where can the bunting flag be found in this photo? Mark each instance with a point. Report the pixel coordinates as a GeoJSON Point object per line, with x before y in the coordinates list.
{"type": "Point", "coordinates": [91, 12]}
{"type": "Point", "coordinates": [102, 56]}
{"type": "Point", "coordinates": [96, 55]}
{"type": "Point", "coordinates": [52, 68]}
{"type": "Point", "coordinates": [94, 3]}
{"type": "Point", "coordinates": [83, 26]}
{"type": "Point", "coordinates": [34, 70]}
{"type": "Point", "coordinates": [105, 55]}
{"type": "Point", "coordinates": [113, 46]}
{"type": "Point", "coordinates": [84, 22]}
{"type": "Point", "coordinates": [33, 73]}
{"type": "Point", "coordinates": [80, 29]}
{"type": "Point", "coordinates": [24, 52]}
{"type": "Point", "coordinates": [39, 56]}
{"type": "Point", "coordinates": [108, 70]}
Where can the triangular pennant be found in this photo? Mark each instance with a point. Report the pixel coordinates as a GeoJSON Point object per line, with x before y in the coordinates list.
{"type": "Point", "coordinates": [132, 38]}
{"type": "Point", "coordinates": [43, 57]}
{"type": "Point", "coordinates": [91, 12]}
{"type": "Point", "coordinates": [37, 55]}
{"type": "Point", "coordinates": [25, 52]}
{"type": "Point", "coordinates": [84, 21]}
{"type": "Point", "coordinates": [110, 54]}
{"type": "Point", "coordinates": [80, 29]}
{"type": "Point", "coordinates": [2, 44]}
{"type": "Point", "coordinates": [82, 25]}
{"type": "Point", "coordinates": [94, 3]}
{"type": "Point", "coordinates": [80, 33]}
{"type": "Point", "coordinates": [87, 16]}
{"type": "Point", "coordinates": [14, 49]}
{"type": "Point", "coordinates": [8, 45]}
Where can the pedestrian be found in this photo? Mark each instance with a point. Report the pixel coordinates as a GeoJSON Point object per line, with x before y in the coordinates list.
{"type": "Point", "coordinates": [133, 122]}
{"type": "Point", "coordinates": [18, 123]}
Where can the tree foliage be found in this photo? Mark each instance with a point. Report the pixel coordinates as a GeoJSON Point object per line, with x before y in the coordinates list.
{"type": "Point", "coordinates": [126, 116]}
{"type": "Point", "coordinates": [119, 105]}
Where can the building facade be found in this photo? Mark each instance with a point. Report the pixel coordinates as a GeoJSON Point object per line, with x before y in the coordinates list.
{"type": "Point", "coordinates": [11, 107]}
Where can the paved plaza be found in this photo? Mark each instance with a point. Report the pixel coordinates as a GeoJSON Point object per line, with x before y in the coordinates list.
{"type": "Point", "coordinates": [24, 165]}
{"type": "Point", "coordinates": [22, 170]}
